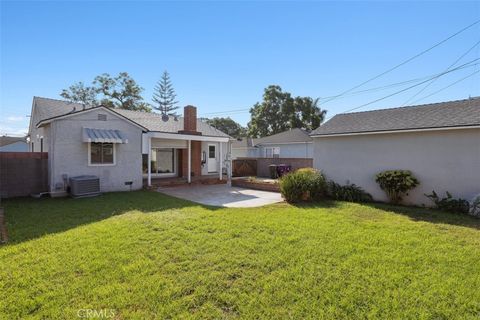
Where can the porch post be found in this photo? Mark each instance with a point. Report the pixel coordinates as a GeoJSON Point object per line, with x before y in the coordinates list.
{"type": "Point", "coordinates": [220, 162]}
{"type": "Point", "coordinates": [189, 161]}
{"type": "Point", "coordinates": [149, 165]}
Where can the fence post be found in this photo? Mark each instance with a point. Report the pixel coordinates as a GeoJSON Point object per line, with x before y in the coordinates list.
{"type": "Point", "coordinates": [3, 227]}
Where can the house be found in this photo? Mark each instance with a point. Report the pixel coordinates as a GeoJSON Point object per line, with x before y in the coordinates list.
{"type": "Point", "coordinates": [124, 147]}
{"type": "Point", "coordinates": [13, 144]}
{"type": "Point", "coordinates": [439, 143]}
{"type": "Point", "coordinates": [294, 143]}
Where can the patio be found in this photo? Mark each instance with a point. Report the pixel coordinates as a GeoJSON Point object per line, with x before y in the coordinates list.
{"type": "Point", "coordinates": [223, 195]}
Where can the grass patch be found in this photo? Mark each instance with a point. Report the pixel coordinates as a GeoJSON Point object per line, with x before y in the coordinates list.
{"type": "Point", "coordinates": [146, 255]}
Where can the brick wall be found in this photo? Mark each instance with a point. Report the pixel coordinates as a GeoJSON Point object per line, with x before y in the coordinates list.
{"type": "Point", "coordinates": [23, 173]}
{"type": "Point", "coordinates": [196, 160]}
{"type": "Point", "coordinates": [296, 163]}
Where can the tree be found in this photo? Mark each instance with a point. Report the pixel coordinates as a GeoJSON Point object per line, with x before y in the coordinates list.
{"type": "Point", "coordinates": [279, 112]}
{"type": "Point", "coordinates": [228, 126]}
{"type": "Point", "coordinates": [79, 93]}
{"type": "Point", "coordinates": [164, 95]}
{"type": "Point", "coordinates": [121, 92]}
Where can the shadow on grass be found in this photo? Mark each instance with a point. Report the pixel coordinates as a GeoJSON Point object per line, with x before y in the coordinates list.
{"type": "Point", "coordinates": [29, 218]}
{"type": "Point", "coordinates": [430, 215]}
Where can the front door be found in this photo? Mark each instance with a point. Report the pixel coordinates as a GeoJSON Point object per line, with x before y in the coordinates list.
{"type": "Point", "coordinates": [212, 158]}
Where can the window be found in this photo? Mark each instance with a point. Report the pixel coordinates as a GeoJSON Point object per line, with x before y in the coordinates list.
{"type": "Point", "coordinates": [101, 154]}
{"type": "Point", "coordinates": [162, 162]}
{"type": "Point", "coordinates": [272, 152]}
{"type": "Point", "coordinates": [211, 152]}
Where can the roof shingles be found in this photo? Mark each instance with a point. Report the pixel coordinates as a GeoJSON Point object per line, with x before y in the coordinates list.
{"type": "Point", "coordinates": [437, 115]}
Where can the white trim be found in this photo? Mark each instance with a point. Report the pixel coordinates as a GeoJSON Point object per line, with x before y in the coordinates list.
{"type": "Point", "coordinates": [189, 161]}
{"type": "Point", "coordinates": [394, 131]}
{"type": "Point", "coordinates": [179, 136]}
{"type": "Point", "coordinates": [220, 162]}
{"type": "Point", "coordinates": [270, 143]}
{"type": "Point", "coordinates": [149, 164]}
{"type": "Point", "coordinates": [90, 164]}
{"type": "Point", "coordinates": [46, 121]}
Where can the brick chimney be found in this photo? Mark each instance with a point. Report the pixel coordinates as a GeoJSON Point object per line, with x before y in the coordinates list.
{"type": "Point", "coordinates": [190, 120]}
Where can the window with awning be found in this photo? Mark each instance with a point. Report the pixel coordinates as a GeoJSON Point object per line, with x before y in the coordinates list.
{"type": "Point", "coordinates": [103, 136]}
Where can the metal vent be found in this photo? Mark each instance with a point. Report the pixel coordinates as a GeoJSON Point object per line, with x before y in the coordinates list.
{"type": "Point", "coordinates": [83, 186]}
{"type": "Point", "coordinates": [102, 117]}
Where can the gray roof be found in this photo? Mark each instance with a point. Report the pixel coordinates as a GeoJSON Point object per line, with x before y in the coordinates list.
{"type": "Point", "coordinates": [47, 108]}
{"type": "Point", "coordinates": [436, 115]}
{"type": "Point", "coordinates": [6, 140]}
{"type": "Point", "coordinates": [244, 143]}
{"type": "Point", "coordinates": [289, 136]}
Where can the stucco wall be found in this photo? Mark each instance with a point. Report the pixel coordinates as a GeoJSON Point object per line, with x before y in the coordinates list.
{"type": "Point", "coordinates": [68, 154]}
{"type": "Point", "coordinates": [441, 160]}
{"type": "Point", "coordinates": [291, 150]}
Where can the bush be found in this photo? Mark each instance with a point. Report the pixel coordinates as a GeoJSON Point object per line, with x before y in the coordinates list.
{"type": "Point", "coordinates": [449, 203]}
{"type": "Point", "coordinates": [349, 192]}
{"type": "Point", "coordinates": [475, 206]}
{"type": "Point", "coordinates": [303, 185]}
{"type": "Point", "coordinates": [396, 183]}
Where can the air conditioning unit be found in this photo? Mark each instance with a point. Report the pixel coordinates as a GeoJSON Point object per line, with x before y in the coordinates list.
{"type": "Point", "coordinates": [84, 186]}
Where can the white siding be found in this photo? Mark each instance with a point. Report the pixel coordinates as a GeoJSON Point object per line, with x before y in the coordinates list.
{"type": "Point", "coordinates": [447, 160]}
{"type": "Point", "coordinates": [290, 150]}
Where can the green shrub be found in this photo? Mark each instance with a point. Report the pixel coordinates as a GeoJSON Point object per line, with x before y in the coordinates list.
{"type": "Point", "coordinates": [303, 185]}
{"type": "Point", "coordinates": [349, 192]}
{"type": "Point", "coordinates": [396, 183]}
{"type": "Point", "coordinates": [449, 203]}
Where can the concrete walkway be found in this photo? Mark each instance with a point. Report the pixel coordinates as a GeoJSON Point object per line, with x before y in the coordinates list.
{"type": "Point", "coordinates": [223, 195]}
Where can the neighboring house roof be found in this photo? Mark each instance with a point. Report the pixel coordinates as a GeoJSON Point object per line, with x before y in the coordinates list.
{"type": "Point", "coordinates": [6, 140]}
{"type": "Point", "coordinates": [49, 109]}
{"type": "Point", "coordinates": [296, 135]}
{"type": "Point", "coordinates": [451, 114]}
{"type": "Point", "coordinates": [244, 143]}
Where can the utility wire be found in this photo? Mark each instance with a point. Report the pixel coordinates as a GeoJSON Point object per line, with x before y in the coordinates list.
{"type": "Point", "coordinates": [359, 92]}
{"type": "Point", "coordinates": [449, 67]}
{"type": "Point", "coordinates": [413, 86]}
{"type": "Point", "coordinates": [404, 62]}
{"type": "Point", "coordinates": [450, 85]}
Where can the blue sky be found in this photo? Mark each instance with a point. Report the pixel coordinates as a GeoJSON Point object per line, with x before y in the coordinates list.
{"type": "Point", "coordinates": [221, 55]}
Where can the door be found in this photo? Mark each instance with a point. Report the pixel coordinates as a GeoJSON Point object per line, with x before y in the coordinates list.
{"type": "Point", "coordinates": [212, 158]}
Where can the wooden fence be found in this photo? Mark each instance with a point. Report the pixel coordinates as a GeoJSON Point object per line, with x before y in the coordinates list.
{"type": "Point", "coordinates": [23, 173]}
{"type": "Point", "coordinates": [243, 167]}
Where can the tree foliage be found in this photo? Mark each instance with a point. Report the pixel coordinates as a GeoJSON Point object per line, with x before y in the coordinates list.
{"type": "Point", "coordinates": [164, 95]}
{"type": "Point", "coordinates": [228, 126]}
{"type": "Point", "coordinates": [114, 92]}
{"type": "Point", "coordinates": [279, 112]}
{"type": "Point", "coordinates": [79, 93]}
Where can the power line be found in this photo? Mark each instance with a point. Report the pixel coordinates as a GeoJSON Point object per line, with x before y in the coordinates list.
{"type": "Point", "coordinates": [449, 67]}
{"type": "Point", "coordinates": [413, 86]}
{"type": "Point", "coordinates": [404, 62]}
{"type": "Point", "coordinates": [450, 85]}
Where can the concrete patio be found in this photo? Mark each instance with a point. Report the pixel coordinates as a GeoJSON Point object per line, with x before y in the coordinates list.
{"type": "Point", "coordinates": [223, 195]}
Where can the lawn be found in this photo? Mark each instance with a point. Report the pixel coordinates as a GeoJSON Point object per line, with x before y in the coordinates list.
{"type": "Point", "coordinates": [144, 255]}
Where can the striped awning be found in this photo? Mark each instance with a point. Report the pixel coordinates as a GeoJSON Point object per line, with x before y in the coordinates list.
{"type": "Point", "coordinates": [103, 135]}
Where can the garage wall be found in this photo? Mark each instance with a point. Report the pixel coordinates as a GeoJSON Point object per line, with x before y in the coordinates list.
{"type": "Point", "coordinates": [441, 160]}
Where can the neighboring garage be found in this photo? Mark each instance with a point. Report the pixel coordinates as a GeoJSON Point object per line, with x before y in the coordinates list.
{"type": "Point", "coordinates": [439, 143]}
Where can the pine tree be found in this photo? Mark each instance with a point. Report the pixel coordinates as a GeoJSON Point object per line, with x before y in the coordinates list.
{"type": "Point", "coordinates": [164, 95]}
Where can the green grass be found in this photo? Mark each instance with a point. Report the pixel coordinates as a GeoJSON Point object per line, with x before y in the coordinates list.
{"type": "Point", "coordinates": [146, 255]}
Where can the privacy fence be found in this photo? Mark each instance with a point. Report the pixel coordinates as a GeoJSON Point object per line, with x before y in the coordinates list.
{"type": "Point", "coordinates": [23, 173]}
{"type": "Point", "coordinates": [243, 167]}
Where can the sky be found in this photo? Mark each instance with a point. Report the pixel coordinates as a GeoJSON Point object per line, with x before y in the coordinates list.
{"type": "Point", "coordinates": [221, 55]}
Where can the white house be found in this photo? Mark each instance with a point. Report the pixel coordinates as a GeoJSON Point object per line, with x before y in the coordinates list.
{"type": "Point", "coordinates": [295, 143]}
{"type": "Point", "coordinates": [124, 147]}
{"type": "Point", "coordinates": [439, 143]}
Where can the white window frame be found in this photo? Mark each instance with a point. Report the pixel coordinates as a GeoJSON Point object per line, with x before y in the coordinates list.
{"type": "Point", "coordinates": [175, 166]}
{"type": "Point", "coordinates": [90, 164]}
{"type": "Point", "coordinates": [274, 154]}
